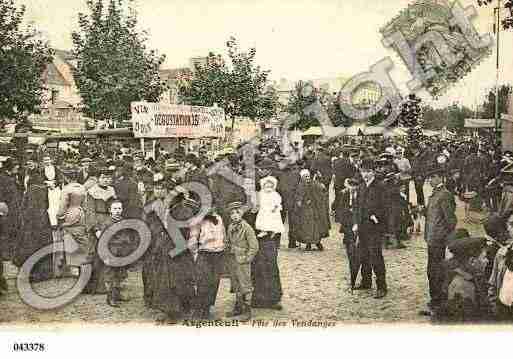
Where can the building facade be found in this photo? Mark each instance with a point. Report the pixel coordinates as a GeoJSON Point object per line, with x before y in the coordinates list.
{"type": "Point", "coordinates": [60, 110]}
{"type": "Point", "coordinates": [365, 95]}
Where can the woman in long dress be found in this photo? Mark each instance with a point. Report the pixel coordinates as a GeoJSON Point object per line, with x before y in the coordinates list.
{"type": "Point", "coordinates": [168, 280]}
{"type": "Point", "coordinates": [35, 229]}
{"type": "Point", "coordinates": [265, 273]}
{"type": "Point", "coordinates": [307, 226]}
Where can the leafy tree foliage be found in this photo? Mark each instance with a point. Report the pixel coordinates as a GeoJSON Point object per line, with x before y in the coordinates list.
{"type": "Point", "coordinates": [489, 102]}
{"type": "Point", "coordinates": [302, 97]}
{"type": "Point", "coordinates": [240, 86]}
{"type": "Point", "coordinates": [114, 65]}
{"type": "Point", "coordinates": [453, 117]}
{"type": "Point", "coordinates": [24, 57]}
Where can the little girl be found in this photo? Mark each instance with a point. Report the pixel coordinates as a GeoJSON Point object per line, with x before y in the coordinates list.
{"type": "Point", "coordinates": [269, 203]}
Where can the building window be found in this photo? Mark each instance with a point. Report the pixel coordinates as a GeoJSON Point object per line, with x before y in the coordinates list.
{"type": "Point", "coordinates": [61, 113]}
{"type": "Point", "coordinates": [54, 95]}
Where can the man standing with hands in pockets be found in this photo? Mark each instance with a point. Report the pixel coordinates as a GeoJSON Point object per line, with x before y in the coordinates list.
{"type": "Point", "coordinates": [369, 221]}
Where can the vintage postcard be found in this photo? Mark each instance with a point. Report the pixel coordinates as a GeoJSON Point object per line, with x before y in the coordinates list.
{"type": "Point", "coordinates": [241, 165]}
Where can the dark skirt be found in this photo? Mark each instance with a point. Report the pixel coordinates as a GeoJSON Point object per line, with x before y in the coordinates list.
{"type": "Point", "coordinates": [265, 274]}
{"type": "Point", "coordinates": [169, 282]}
{"type": "Point", "coordinates": [31, 240]}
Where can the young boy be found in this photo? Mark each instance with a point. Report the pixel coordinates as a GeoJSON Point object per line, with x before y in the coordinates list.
{"type": "Point", "coordinates": [242, 247]}
{"type": "Point", "coordinates": [120, 245]}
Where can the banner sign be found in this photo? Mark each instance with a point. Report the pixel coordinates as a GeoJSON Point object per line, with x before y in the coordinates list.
{"type": "Point", "coordinates": [479, 122]}
{"type": "Point", "coordinates": [158, 120]}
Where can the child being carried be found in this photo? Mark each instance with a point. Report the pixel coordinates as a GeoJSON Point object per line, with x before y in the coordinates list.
{"type": "Point", "coordinates": [268, 220]}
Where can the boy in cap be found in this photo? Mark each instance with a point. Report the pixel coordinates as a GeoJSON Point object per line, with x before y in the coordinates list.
{"type": "Point", "coordinates": [242, 246]}
{"type": "Point", "coordinates": [120, 246]}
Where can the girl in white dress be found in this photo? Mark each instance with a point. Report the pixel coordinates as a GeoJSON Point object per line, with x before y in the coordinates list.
{"type": "Point", "coordinates": [269, 208]}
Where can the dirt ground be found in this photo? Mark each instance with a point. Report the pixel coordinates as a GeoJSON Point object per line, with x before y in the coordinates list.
{"type": "Point", "coordinates": [315, 286]}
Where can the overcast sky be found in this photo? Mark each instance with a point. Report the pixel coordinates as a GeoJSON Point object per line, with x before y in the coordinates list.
{"type": "Point", "coordinates": [295, 39]}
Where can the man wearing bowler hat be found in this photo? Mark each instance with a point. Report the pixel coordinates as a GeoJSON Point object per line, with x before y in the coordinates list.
{"type": "Point", "coordinates": [369, 225]}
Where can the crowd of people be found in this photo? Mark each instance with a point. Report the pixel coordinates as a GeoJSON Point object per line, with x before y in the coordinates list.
{"type": "Point", "coordinates": [50, 199]}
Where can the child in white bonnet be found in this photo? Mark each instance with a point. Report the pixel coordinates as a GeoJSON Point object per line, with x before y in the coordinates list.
{"type": "Point", "coordinates": [269, 203]}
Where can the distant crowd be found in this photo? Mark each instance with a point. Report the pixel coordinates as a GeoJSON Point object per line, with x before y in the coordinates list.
{"type": "Point", "coordinates": [56, 198]}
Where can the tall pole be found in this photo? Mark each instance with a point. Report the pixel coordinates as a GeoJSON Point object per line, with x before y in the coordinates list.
{"type": "Point", "coordinates": [498, 29]}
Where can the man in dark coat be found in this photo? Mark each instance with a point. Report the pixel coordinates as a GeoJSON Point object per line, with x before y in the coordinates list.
{"type": "Point", "coordinates": [472, 171]}
{"type": "Point", "coordinates": [369, 219]}
{"type": "Point", "coordinates": [440, 222]}
{"type": "Point", "coordinates": [288, 182]}
{"type": "Point", "coordinates": [141, 174]}
{"type": "Point", "coordinates": [419, 163]}
{"type": "Point", "coordinates": [343, 208]}
{"type": "Point", "coordinates": [11, 196]}
{"type": "Point", "coordinates": [343, 169]}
